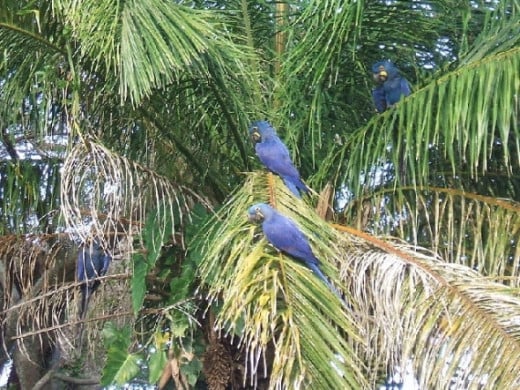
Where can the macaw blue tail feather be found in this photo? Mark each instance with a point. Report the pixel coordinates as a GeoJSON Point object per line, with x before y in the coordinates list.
{"type": "Point", "coordinates": [292, 187]}
{"type": "Point", "coordinates": [295, 186]}
{"type": "Point", "coordinates": [85, 296]}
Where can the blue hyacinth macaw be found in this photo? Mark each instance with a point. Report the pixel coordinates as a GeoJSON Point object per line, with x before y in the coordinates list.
{"type": "Point", "coordinates": [286, 237]}
{"type": "Point", "coordinates": [93, 262]}
{"type": "Point", "coordinates": [273, 153]}
{"type": "Point", "coordinates": [391, 86]}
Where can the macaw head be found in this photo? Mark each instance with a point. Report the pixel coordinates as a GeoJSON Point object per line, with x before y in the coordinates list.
{"type": "Point", "coordinates": [93, 246]}
{"type": "Point", "coordinates": [261, 130]}
{"type": "Point", "coordinates": [384, 70]}
{"type": "Point", "coordinates": [259, 212]}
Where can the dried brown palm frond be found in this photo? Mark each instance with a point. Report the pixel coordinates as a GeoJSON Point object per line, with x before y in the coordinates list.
{"type": "Point", "coordinates": [459, 226]}
{"type": "Point", "coordinates": [417, 308]}
{"type": "Point", "coordinates": [113, 196]}
{"type": "Point", "coordinates": [37, 284]}
{"type": "Point", "coordinates": [40, 298]}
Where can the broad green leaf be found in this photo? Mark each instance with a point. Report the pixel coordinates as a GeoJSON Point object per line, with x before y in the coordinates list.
{"type": "Point", "coordinates": [140, 270]}
{"type": "Point", "coordinates": [156, 363]}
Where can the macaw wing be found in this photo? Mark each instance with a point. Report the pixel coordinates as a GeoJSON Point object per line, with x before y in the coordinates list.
{"type": "Point", "coordinates": [302, 251]}
{"type": "Point", "coordinates": [275, 156]}
{"type": "Point", "coordinates": [379, 98]}
{"type": "Point", "coordinates": [286, 237]}
{"type": "Point", "coordinates": [86, 268]}
{"type": "Point", "coordinates": [406, 89]}
{"type": "Point", "coordinates": [107, 259]}
{"type": "Point", "coordinates": [80, 272]}
{"type": "Point", "coordinates": [92, 262]}
{"type": "Point", "coordinates": [395, 89]}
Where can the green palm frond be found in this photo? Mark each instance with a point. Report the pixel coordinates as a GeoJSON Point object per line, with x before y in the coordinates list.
{"type": "Point", "coordinates": [28, 81]}
{"type": "Point", "coordinates": [115, 195]}
{"type": "Point", "coordinates": [336, 24]}
{"type": "Point", "coordinates": [498, 31]}
{"type": "Point", "coordinates": [328, 91]}
{"type": "Point", "coordinates": [308, 72]}
{"type": "Point", "coordinates": [270, 300]}
{"type": "Point", "coordinates": [216, 142]}
{"type": "Point", "coordinates": [95, 24]}
{"type": "Point", "coordinates": [31, 66]}
{"type": "Point", "coordinates": [466, 117]}
{"type": "Point", "coordinates": [148, 44]}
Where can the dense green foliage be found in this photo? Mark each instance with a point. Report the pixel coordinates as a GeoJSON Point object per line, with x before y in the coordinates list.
{"type": "Point", "coordinates": [127, 120]}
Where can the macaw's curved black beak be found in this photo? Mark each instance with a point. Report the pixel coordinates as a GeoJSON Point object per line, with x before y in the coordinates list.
{"type": "Point", "coordinates": [255, 135]}
{"type": "Point", "coordinates": [256, 217]}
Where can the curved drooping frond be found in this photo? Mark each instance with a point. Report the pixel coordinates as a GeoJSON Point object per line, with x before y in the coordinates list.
{"type": "Point", "coordinates": [274, 305]}
{"type": "Point", "coordinates": [337, 23]}
{"type": "Point", "coordinates": [210, 144]}
{"type": "Point", "coordinates": [478, 231]}
{"type": "Point", "coordinates": [107, 196]}
{"type": "Point", "coordinates": [497, 31]}
{"type": "Point", "coordinates": [455, 326]}
{"type": "Point", "coordinates": [333, 101]}
{"type": "Point", "coordinates": [147, 44]}
{"type": "Point", "coordinates": [465, 117]}
{"type": "Point", "coordinates": [308, 72]}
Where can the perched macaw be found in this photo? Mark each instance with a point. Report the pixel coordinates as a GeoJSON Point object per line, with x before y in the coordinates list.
{"type": "Point", "coordinates": [391, 86]}
{"type": "Point", "coordinates": [93, 262]}
{"type": "Point", "coordinates": [273, 153]}
{"type": "Point", "coordinates": [286, 237]}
